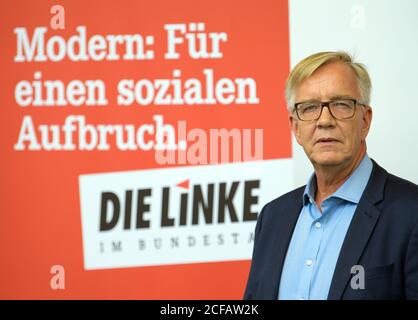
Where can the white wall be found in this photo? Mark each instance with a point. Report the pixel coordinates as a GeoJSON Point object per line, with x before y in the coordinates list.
{"type": "Point", "coordinates": [383, 34]}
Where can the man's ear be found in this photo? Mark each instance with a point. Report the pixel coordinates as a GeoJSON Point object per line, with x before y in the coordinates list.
{"type": "Point", "coordinates": [294, 126]}
{"type": "Point", "coordinates": [367, 121]}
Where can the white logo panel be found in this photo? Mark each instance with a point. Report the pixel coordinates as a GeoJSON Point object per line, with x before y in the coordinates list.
{"type": "Point", "coordinates": [177, 215]}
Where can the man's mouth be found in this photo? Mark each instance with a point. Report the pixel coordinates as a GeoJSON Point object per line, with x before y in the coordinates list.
{"type": "Point", "coordinates": [326, 140]}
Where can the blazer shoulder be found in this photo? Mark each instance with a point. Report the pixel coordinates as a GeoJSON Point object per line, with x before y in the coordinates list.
{"type": "Point", "coordinates": [387, 190]}
{"type": "Point", "coordinates": [401, 189]}
{"type": "Point", "coordinates": [285, 200]}
{"type": "Point", "coordinates": [402, 194]}
{"type": "Point", "coordinates": [397, 198]}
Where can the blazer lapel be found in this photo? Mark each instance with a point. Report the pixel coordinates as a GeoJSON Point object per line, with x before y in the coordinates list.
{"type": "Point", "coordinates": [359, 232]}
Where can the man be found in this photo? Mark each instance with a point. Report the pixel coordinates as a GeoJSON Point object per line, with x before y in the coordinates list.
{"type": "Point", "coordinates": [352, 231]}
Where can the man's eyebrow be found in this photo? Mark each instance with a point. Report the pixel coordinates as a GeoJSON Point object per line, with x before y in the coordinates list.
{"type": "Point", "coordinates": [310, 100]}
{"type": "Point", "coordinates": [341, 96]}
{"type": "Point", "coordinates": [335, 97]}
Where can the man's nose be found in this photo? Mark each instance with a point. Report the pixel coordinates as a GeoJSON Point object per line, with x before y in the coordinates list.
{"type": "Point", "coordinates": [326, 119]}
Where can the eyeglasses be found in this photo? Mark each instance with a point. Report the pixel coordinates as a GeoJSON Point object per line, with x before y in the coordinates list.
{"type": "Point", "coordinates": [340, 109]}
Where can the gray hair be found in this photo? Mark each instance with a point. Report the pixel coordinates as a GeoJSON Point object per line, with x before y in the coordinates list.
{"type": "Point", "coordinates": [309, 65]}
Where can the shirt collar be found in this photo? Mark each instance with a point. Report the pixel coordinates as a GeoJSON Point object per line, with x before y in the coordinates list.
{"type": "Point", "coordinates": [351, 190]}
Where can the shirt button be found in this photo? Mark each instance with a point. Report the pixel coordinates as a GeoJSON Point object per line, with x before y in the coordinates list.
{"type": "Point", "coordinates": [309, 262]}
{"type": "Point", "coordinates": [318, 225]}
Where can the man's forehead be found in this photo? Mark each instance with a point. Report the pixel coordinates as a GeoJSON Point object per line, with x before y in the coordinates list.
{"type": "Point", "coordinates": [330, 81]}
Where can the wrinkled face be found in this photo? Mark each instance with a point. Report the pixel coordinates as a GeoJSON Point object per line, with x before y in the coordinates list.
{"type": "Point", "coordinates": [327, 141]}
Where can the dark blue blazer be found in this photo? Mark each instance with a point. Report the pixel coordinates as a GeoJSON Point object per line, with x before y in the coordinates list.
{"type": "Point", "coordinates": [382, 237]}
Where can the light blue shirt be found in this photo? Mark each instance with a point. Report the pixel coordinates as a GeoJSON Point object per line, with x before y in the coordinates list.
{"type": "Point", "coordinates": [317, 239]}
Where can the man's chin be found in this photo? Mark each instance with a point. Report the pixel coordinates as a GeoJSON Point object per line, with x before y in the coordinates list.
{"type": "Point", "coordinates": [328, 159]}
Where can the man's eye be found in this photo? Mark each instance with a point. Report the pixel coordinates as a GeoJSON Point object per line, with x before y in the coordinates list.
{"type": "Point", "coordinates": [341, 105]}
{"type": "Point", "coordinates": [309, 108]}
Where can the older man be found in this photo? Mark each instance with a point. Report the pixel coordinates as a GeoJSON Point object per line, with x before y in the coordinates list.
{"type": "Point", "coordinates": [352, 231]}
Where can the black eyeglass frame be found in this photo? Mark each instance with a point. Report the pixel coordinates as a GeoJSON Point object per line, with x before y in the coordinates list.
{"type": "Point", "coordinates": [326, 104]}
